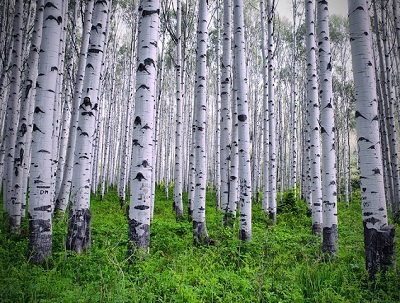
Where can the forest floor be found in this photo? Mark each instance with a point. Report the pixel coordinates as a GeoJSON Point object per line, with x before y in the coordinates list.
{"type": "Point", "coordinates": [282, 263]}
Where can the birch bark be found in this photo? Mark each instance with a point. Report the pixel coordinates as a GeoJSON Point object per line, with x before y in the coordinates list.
{"type": "Point", "coordinates": [41, 175]}
{"type": "Point", "coordinates": [79, 237]}
{"type": "Point", "coordinates": [378, 235]}
{"type": "Point", "coordinates": [142, 149]}
{"type": "Point", "coordinates": [314, 114]}
{"type": "Point", "coordinates": [245, 230]}
{"type": "Point", "coordinates": [200, 235]}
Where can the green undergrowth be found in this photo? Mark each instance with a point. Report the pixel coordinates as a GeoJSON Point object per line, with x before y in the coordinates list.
{"type": "Point", "coordinates": [282, 263]}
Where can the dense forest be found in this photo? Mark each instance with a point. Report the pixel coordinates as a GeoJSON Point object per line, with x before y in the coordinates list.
{"type": "Point", "coordinates": [199, 151]}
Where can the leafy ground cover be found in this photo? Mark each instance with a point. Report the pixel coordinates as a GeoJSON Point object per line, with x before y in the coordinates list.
{"type": "Point", "coordinates": [282, 263]}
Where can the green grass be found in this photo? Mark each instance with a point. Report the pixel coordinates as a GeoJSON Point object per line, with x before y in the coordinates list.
{"type": "Point", "coordinates": [282, 263]}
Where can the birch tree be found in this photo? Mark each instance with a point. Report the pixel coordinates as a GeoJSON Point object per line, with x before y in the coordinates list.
{"type": "Point", "coordinates": [378, 235]}
{"type": "Point", "coordinates": [313, 108]}
{"type": "Point", "coordinates": [11, 204]}
{"type": "Point", "coordinates": [329, 200]}
{"type": "Point", "coordinates": [62, 198]}
{"type": "Point", "coordinates": [265, 196]}
{"type": "Point", "coordinates": [245, 230]}
{"type": "Point", "coordinates": [178, 203]}
{"type": "Point", "coordinates": [143, 127]}
{"type": "Point", "coordinates": [226, 124]}
{"type": "Point", "coordinates": [79, 216]}
{"type": "Point", "coordinates": [41, 174]}
{"type": "Point", "coordinates": [200, 235]}
{"type": "Point", "coordinates": [272, 206]}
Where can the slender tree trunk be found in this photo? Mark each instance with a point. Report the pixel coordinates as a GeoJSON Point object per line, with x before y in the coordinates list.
{"type": "Point", "coordinates": [143, 127]}
{"type": "Point", "coordinates": [272, 167]}
{"type": "Point", "coordinates": [265, 197]}
{"type": "Point", "coordinates": [41, 174]}
{"type": "Point", "coordinates": [293, 108]}
{"type": "Point", "coordinates": [378, 235]}
{"type": "Point", "coordinates": [79, 216]}
{"type": "Point", "coordinates": [329, 199]}
{"type": "Point", "coordinates": [226, 124]}
{"type": "Point", "coordinates": [200, 235]}
{"type": "Point", "coordinates": [178, 203]}
{"type": "Point", "coordinates": [62, 198]}
{"type": "Point", "coordinates": [314, 114]}
{"type": "Point", "coordinates": [12, 206]}
{"type": "Point", "coordinates": [217, 137]}
{"type": "Point", "coordinates": [244, 171]}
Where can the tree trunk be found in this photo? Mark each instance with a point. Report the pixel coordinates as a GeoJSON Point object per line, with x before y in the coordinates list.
{"type": "Point", "coordinates": [226, 124]}
{"type": "Point", "coordinates": [178, 203]}
{"type": "Point", "coordinates": [244, 171]}
{"type": "Point", "coordinates": [313, 107]}
{"type": "Point", "coordinates": [329, 199]}
{"type": "Point", "coordinates": [12, 206]}
{"type": "Point", "coordinates": [78, 238]}
{"type": "Point", "coordinates": [272, 166]}
{"type": "Point", "coordinates": [143, 127]}
{"type": "Point", "coordinates": [378, 236]}
{"type": "Point", "coordinates": [62, 198]}
{"type": "Point", "coordinates": [200, 235]}
{"type": "Point", "coordinates": [41, 174]}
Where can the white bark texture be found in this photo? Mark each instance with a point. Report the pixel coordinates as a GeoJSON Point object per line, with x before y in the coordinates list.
{"type": "Point", "coordinates": [41, 174]}
{"type": "Point", "coordinates": [64, 192]}
{"type": "Point", "coordinates": [13, 154]}
{"type": "Point", "coordinates": [313, 118]}
{"type": "Point", "coordinates": [143, 126]}
{"type": "Point", "coordinates": [226, 124]}
{"type": "Point", "coordinates": [369, 147]}
{"type": "Point", "coordinates": [293, 106]}
{"type": "Point", "coordinates": [27, 108]}
{"type": "Point", "coordinates": [78, 238]}
{"type": "Point", "coordinates": [11, 204]}
{"type": "Point", "coordinates": [272, 165]}
{"type": "Point", "coordinates": [244, 172]}
{"type": "Point", "coordinates": [265, 197]}
{"type": "Point", "coordinates": [199, 128]}
{"type": "Point", "coordinates": [329, 199]}
{"type": "Point", "coordinates": [178, 203]}
{"type": "Point", "coordinates": [217, 137]}
{"type": "Point", "coordinates": [390, 117]}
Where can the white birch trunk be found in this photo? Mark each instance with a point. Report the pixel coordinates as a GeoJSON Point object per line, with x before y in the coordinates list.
{"type": "Point", "coordinates": [142, 150]}
{"type": "Point", "coordinates": [226, 124]}
{"type": "Point", "coordinates": [314, 115]}
{"type": "Point", "coordinates": [378, 236]}
{"type": "Point", "coordinates": [11, 205]}
{"type": "Point", "coordinates": [265, 196]}
{"type": "Point", "coordinates": [12, 153]}
{"type": "Point", "coordinates": [234, 157]}
{"type": "Point", "coordinates": [41, 174]}
{"type": "Point", "coordinates": [329, 199]}
{"type": "Point", "coordinates": [217, 115]}
{"type": "Point", "coordinates": [62, 198]}
{"type": "Point", "coordinates": [200, 235]}
{"type": "Point", "coordinates": [272, 165]}
{"type": "Point", "coordinates": [390, 118]}
{"type": "Point", "coordinates": [293, 108]}
{"type": "Point", "coordinates": [79, 238]}
{"type": "Point", "coordinates": [178, 204]}
{"type": "Point", "coordinates": [245, 230]}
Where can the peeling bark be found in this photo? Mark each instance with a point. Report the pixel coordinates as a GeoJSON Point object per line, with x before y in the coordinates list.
{"type": "Point", "coordinates": [139, 237]}
{"type": "Point", "coordinates": [379, 248]}
{"type": "Point", "coordinates": [330, 240]}
{"type": "Point", "coordinates": [79, 237]}
{"type": "Point", "coordinates": [40, 239]}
